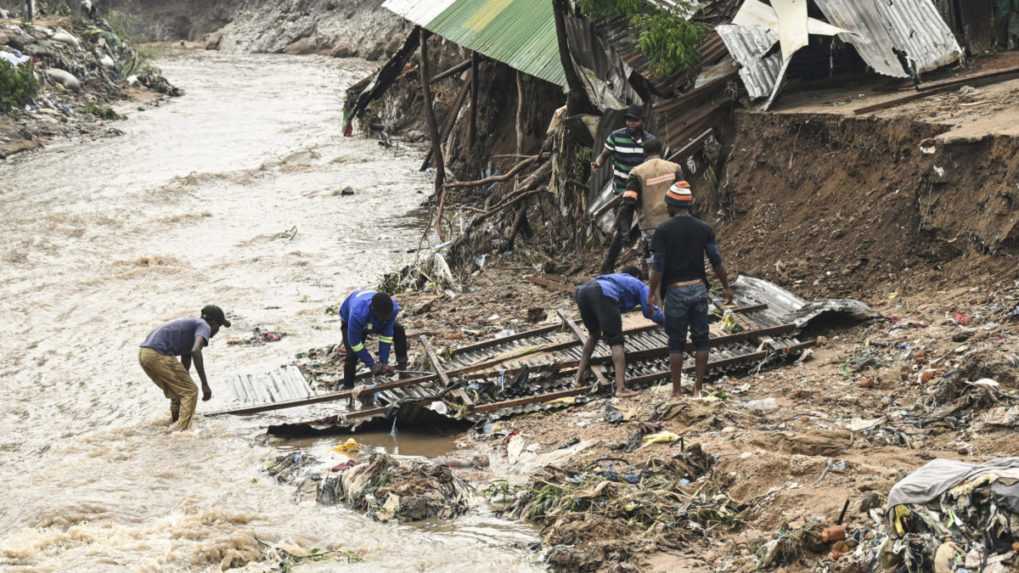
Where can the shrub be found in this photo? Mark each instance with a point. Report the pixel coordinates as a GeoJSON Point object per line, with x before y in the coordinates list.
{"type": "Point", "coordinates": [666, 37]}
{"type": "Point", "coordinates": [17, 85]}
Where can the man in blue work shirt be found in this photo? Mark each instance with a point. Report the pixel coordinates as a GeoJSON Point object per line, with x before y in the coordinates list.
{"type": "Point", "coordinates": [602, 302]}
{"type": "Point", "coordinates": [368, 312]}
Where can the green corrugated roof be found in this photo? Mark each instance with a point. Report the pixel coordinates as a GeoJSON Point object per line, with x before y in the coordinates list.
{"type": "Point", "coordinates": [519, 33]}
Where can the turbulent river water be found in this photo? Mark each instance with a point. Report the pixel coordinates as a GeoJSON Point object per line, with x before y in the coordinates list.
{"type": "Point", "coordinates": [198, 202]}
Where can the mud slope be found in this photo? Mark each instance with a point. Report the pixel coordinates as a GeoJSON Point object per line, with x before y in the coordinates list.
{"type": "Point", "coordinates": [336, 27]}
{"type": "Point", "coordinates": [837, 205]}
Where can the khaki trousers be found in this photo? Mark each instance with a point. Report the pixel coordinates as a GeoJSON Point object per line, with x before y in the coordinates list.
{"type": "Point", "coordinates": [169, 374]}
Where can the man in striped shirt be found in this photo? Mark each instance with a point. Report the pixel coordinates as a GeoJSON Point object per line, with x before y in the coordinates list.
{"type": "Point", "coordinates": [626, 147]}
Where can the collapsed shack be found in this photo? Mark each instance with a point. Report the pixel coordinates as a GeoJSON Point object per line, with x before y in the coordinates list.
{"type": "Point", "coordinates": [516, 174]}
{"type": "Point", "coordinates": [382, 486]}
{"type": "Point", "coordinates": [608, 514]}
{"type": "Point", "coordinates": [536, 369]}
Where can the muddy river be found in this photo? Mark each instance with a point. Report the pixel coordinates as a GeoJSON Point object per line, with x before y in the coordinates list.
{"type": "Point", "coordinates": [229, 195]}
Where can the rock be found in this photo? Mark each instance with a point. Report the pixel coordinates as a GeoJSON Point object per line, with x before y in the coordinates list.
{"type": "Point", "coordinates": [345, 192]}
{"type": "Point", "coordinates": [303, 46]}
{"type": "Point", "coordinates": [765, 405]}
{"type": "Point", "coordinates": [536, 314]}
{"type": "Point", "coordinates": [871, 500]}
{"type": "Point", "coordinates": [213, 41]}
{"type": "Point", "coordinates": [63, 78]}
{"type": "Point", "coordinates": [65, 38]}
{"type": "Point", "coordinates": [343, 49]}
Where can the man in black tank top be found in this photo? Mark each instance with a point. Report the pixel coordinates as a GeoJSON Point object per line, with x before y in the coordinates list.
{"type": "Point", "coordinates": [678, 249]}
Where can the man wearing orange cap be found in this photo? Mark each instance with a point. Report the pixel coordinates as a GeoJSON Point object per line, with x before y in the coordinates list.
{"type": "Point", "coordinates": [678, 248]}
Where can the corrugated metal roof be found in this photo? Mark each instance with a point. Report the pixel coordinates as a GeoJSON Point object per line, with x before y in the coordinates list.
{"type": "Point", "coordinates": [747, 45]}
{"type": "Point", "coordinates": [519, 33]}
{"type": "Point", "coordinates": [911, 26]}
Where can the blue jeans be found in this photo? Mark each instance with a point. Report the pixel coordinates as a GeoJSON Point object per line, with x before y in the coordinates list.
{"type": "Point", "coordinates": [686, 309]}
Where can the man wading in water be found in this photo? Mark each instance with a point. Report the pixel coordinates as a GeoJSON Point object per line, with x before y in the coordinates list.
{"type": "Point", "coordinates": [184, 338]}
{"type": "Point", "coordinates": [678, 251]}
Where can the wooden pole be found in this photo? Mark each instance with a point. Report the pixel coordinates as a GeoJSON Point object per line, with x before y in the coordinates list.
{"type": "Point", "coordinates": [447, 128]}
{"type": "Point", "coordinates": [29, 10]}
{"type": "Point", "coordinates": [433, 132]}
{"type": "Point", "coordinates": [577, 102]}
{"type": "Point", "coordinates": [472, 125]}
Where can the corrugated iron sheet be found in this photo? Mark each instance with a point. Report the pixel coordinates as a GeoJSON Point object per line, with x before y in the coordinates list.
{"type": "Point", "coordinates": [518, 33]}
{"type": "Point", "coordinates": [747, 45]}
{"type": "Point", "coordinates": [912, 26]}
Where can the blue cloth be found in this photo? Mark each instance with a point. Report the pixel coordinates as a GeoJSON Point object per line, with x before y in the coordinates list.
{"type": "Point", "coordinates": [177, 338]}
{"type": "Point", "coordinates": [356, 314]}
{"type": "Point", "coordinates": [628, 292]}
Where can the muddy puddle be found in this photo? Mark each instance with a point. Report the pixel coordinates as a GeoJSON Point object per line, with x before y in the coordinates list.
{"type": "Point", "coordinates": [228, 195]}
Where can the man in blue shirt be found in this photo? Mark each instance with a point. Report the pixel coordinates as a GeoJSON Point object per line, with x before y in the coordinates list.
{"type": "Point", "coordinates": [602, 302]}
{"type": "Point", "coordinates": [368, 312]}
{"type": "Point", "coordinates": [183, 338]}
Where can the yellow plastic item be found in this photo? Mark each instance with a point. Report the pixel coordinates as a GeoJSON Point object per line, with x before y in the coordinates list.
{"type": "Point", "coordinates": [659, 438]}
{"type": "Point", "coordinates": [349, 447]}
{"type": "Point", "coordinates": [567, 401]}
{"type": "Point", "coordinates": [901, 512]}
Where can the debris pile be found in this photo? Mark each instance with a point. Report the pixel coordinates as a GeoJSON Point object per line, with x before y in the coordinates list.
{"type": "Point", "coordinates": [954, 516]}
{"type": "Point", "coordinates": [612, 511]}
{"type": "Point", "coordinates": [80, 67]}
{"type": "Point", "coordinates": [386, 488]}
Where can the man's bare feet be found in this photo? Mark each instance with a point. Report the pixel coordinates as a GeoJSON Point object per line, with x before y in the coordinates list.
{"type": "Point", "coordinates": [626, 393]}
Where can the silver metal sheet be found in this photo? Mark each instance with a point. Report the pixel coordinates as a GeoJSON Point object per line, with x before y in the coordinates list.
{"type": "Point", "coordinates": [911, 26]}
{"type": "Point", "coordinates": [747, 46]}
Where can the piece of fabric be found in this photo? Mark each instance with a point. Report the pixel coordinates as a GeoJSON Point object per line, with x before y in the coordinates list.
{"type": "Point", "coordinates": [648, 184]}
{"type": "Point", "coordinates": [686, 310]}
{"type": "Point", "coordinates": [351, 358]}
{"type": "Point", "coordinates": [356, 314]}
{"type": "Point", "coordinates": [627, 149]}
{"type": "Point", "coordinates": [177, 338]}
{"type": "Point", "coordinates": [600, 314]}
{"type": "Point", "coordinates": [628, 292]}
{"type": "Point", "coordinates": [940, 475]}
{"type": "Point", "coordinates": [169, 374]}
{"type": "Point", "coordinates": [679, 247]}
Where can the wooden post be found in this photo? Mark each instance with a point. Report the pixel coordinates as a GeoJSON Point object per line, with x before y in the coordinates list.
{"type": "Point", "coordinates": [447, 128]}
{"type": "Point", "coordinates": [472, 125]}
{"type": "Point", "coordinates": [433, 132]}
{"type": "Point", "coordinates": [577, 102]}
{"type": "Point", "coordinates": [29, 10]}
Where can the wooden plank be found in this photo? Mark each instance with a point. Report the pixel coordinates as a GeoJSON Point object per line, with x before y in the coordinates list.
{"type": "Point", "coordinates": [434, 359]}
{"type": "Point", "coordinates": [492, 407]}
{"type": "Point", "coordinates": [496, 341]}
{"type": "Point", "coordinates": [552, 284]}
{"type": "Point", "coordinates": [316, 399]}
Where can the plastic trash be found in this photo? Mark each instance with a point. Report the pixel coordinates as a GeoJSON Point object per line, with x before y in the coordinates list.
{"type": "Point", "coordinates": [349, 447]}
{"type": "Point", "coordinates": [665, 437]}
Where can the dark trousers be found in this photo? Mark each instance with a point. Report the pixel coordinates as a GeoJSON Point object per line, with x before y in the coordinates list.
{"type": "Point", "coordinates": [624, 232]}
{"type": "Point", "coordinates": [350, 362]}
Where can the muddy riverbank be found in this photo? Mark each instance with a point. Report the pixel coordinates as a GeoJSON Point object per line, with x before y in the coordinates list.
{"type": "Point", "coordinates": [231, 195]}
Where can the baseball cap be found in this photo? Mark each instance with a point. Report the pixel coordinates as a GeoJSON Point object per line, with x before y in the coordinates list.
{"type": "Point", "coordinates": [213, 312]}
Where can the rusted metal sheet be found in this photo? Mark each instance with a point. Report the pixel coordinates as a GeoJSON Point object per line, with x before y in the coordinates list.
{"type": "Point", "coordinates": [913, 27]}
{"type": "Point", "coordinates": [748, 46]}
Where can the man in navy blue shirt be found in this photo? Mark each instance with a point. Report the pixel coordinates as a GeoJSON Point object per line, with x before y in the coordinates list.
{"type": "Point", "coordinates": [602, 302]}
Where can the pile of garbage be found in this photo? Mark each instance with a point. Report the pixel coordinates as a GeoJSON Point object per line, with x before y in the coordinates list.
{"type": "Point", "coordinates": [612, 511]}
{"type": "Point", "coordinates": [954, 516]}
{"type": "Point", "coordinates": [387, 488]}
{"type": "Point", "coordinates": [79, 67]}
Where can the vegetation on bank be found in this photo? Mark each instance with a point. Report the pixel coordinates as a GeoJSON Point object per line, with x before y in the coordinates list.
{"type": "Point", "coordinates": [667, 38]}
{"type": "Point", "coordinates": [17, 85]}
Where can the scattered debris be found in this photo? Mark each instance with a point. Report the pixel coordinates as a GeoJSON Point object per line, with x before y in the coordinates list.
{"type": "Point", "coordinates": [390, 488]}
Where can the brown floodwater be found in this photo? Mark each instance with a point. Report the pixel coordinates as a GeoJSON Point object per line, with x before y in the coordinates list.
{"type": "Point", "coordinates": [229, 196]}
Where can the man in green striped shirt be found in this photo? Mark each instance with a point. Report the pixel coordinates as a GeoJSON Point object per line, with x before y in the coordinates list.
{"type": "Point", "coordinates": [626, 147]}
